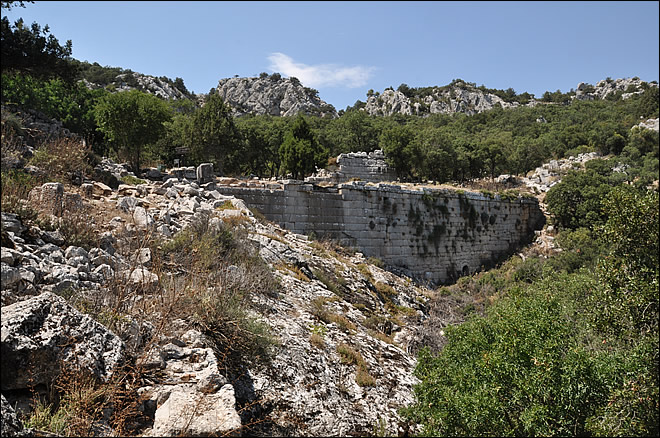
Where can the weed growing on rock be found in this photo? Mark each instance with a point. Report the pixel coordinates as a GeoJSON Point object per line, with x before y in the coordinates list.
{"type": "Point", "coordinates": [350, 356]}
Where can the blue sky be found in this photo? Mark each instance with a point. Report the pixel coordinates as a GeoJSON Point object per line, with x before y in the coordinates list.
{"type": "Point", "coordinates": [344, 49]}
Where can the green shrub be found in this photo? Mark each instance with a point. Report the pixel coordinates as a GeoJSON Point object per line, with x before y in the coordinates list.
{"type": "Point", "coordinates": [518, 371]}
{"type": "Point", "coordinates": [16, 186]}
{"type": "Point", "coordinates": [132, 180]}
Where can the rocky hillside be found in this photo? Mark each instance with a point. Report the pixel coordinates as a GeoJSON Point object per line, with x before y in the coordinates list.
{"type": "Point", "coordinates": [459, 97]}
{"type": "Point", "coordinates": [272, 95]}
{"type": "Point", "coordinates": [150, 84]}
{"type": "Point", "coordinates": [463, 97]}
{"type": "Point", "coordinates": [626, 87]}
{"type": "Point", "coordinates": [335, 336]}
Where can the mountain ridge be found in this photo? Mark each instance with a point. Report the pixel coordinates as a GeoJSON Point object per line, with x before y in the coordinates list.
{"type": "Point", "coordinates": [276, 95]}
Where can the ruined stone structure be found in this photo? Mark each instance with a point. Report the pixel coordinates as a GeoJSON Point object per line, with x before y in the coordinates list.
{"type": "Point", "coordinates": [365, 166]}
{"type": "Point", "coordinates": [360, 166]}
{"type": "Point", "coordinates": [430, 234]}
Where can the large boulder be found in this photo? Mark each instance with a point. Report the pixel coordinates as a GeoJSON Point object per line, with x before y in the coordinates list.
{"type": "Point", "coordinates": [49, 196]}
{"type": "Point", "coordinates": [42, 334]}
{"type": "Point", "coordinates": [204, 173]}
{"type": "Point", "coordinates": [192, 413]}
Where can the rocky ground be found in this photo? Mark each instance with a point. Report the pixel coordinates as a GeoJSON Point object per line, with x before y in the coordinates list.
{"type": "Point", "coordinates": [342, 328]}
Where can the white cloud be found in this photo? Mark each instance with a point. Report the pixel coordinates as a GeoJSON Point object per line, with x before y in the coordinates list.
{"type": "Point", "coordinates": [320, 75]}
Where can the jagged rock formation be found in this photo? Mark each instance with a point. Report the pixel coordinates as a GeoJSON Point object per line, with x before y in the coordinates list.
{"type": "Point", "coordinates": [42, 333]}
{"type": "Point", "coordinates": [606, 87]}
{"type": "Point", "coordinates": [272, 95]}
{"type": "Point", "coordinates": [462, 97]}
{"type": "Point", "coordinates": [456, 98]}
{"type": "Point", "coordinates": [147, 83]}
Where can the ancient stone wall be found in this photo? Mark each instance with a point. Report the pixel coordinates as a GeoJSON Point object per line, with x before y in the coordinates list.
{"type": "Point", "coordinates": [366, 167]}
{"type": "Point", "coordinates": [431, 234]}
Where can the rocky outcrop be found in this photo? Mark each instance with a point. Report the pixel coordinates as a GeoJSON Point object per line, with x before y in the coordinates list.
{"type": "Point", "coordinates": [147, 83]}
{"type": "Point", "coordinates": [43, 334]}
{"type": "Point", "coordinates": [544, 177]}
{"type": "Point", "coordinates": [457, 98]}
{"type": "Point", "coordinates": [650, 124]}
{"type": "Point", "coordinates": [350, 379]}
{"type": "Point", "coordinates": [343, 368]}
{"type": "Point", "coordinates": [626, 86]}
{"type": "Point", "coordinates": [272, 95]}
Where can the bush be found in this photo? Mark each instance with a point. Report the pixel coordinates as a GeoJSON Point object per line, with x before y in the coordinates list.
{"type": "Point", "coordinates": [64, 158]}
{"type": "Point", "coordinates": [520, 370]}
{"type": "Point", "coordinates": [16, 185]}
{"type": "Point", "coordinates": [224, 270]}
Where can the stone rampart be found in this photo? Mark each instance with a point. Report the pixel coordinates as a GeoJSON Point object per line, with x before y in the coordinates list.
{"type": "Point", "coordinates": [431, 234]}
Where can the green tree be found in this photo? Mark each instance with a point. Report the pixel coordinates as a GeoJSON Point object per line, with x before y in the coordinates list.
{"type": "Point", "coordinates": [262, 137]}
{"type": "Point", "coordinates": [626, 308]}
{"type": "Point", "coordinates": [178, 134]}
{"type": "Point", "coordinates": [301, 152]}
{"type": "Point", "coordinates": [353, 132]}
{"type": "Point", "coordinates": [34, 51]}
{"type": "Point", "coordinates": [630, 302]}
{"type": "Point", "coordinates": [72, 104]}
{"type": "Point", "coordinates": [394, 141]}
{"type": "Point", "coordinates": [130, 121]}
{"type": "Point", "coordinates": [576, 201]}
{"type": "Point", "coordinates": [215, 136]}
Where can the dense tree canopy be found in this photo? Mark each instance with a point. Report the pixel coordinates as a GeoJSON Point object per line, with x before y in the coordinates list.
{"type": "Point", "coordinates": [34, 50]}
{"type": "Point", "coordinates": [132, 120]}
{"type": "Point", "coordinates": [214, 135]}
{"type": "Point", "coordinates": [301, 151]}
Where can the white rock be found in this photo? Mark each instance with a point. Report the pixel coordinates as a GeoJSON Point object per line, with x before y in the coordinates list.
{"type": "Point", "coordinates": [189, 412]}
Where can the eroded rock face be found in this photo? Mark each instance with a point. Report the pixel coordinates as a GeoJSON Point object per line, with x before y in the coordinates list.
{"type": "Point", "coordinates": [41, 334]}
{"type": "Point", "coordinates": [147, 83]}
{"type": "Point", "coordinates": [606, 87]}
{"type": "Point", "coordinates": [310, 387]}
{"type": "Point", "coordinates": [444, 100]}
{"type": "Point", "coordinates": [273, 96]}
{"type": "Point", "coordinates": [11, 425]}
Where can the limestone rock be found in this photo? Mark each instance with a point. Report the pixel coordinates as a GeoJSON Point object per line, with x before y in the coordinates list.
{"type": "Point", "coordinates": [11, 425]}
{"type": "Point", "coordinates": [458, 97]}
{"type": "Point", "coordinates": [41, 334]}
{"type": "Point", "coordinates": [626, 86]}
{"type": "Point", "coordinates": [142, 218]}
{"type": "Point", "coordinates": [272, 95]}
{"type": "Point", "coordinates": [144, 277]}
{"type": "Point", "coordinates": [204, 173]}
{"type": "Point", "coordinates": [191, 413]}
